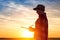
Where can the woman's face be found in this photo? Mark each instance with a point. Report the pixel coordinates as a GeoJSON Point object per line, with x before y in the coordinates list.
{"type": "Point", "coordinates": [39, 12]}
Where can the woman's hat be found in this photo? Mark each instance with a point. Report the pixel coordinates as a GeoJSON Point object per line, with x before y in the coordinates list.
{"type": "Point", "coordinates": [40, 7]}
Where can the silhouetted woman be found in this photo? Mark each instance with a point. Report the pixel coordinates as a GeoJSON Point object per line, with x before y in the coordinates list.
{"type": "Point", "coordinates": [41, 24]}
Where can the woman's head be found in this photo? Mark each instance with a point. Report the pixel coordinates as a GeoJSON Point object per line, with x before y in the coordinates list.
{"type": "Point", "coordinates": [39, 9]}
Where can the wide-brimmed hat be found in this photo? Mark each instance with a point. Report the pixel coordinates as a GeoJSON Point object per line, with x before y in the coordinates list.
{"type": "Point", "coordinates": [39, 7]}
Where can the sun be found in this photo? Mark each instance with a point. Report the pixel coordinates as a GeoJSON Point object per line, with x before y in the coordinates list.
{"type": "Point", "coordinates": [27, 34]}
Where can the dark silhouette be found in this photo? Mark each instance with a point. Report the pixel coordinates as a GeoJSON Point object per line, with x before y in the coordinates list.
{"type": "Point", "coordinates": [41, 25]}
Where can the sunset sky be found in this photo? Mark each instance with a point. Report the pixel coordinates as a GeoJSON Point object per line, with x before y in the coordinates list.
{"type": "Point", "coordinates": [15, 14]}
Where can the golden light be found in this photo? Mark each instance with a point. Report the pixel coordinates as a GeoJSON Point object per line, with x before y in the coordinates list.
{"type": "Point", "coordinates": [27, 34]}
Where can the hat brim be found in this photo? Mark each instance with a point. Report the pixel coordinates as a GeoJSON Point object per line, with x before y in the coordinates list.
{"type": "Point", "coordinates": [35, 8]}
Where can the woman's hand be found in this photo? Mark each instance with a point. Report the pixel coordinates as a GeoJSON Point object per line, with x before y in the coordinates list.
{"type": "Point", "coordinates": [31, 29]}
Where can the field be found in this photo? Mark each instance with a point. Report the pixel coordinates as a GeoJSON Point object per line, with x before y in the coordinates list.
{"type": "Point", "coordinates": [26, 39]}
